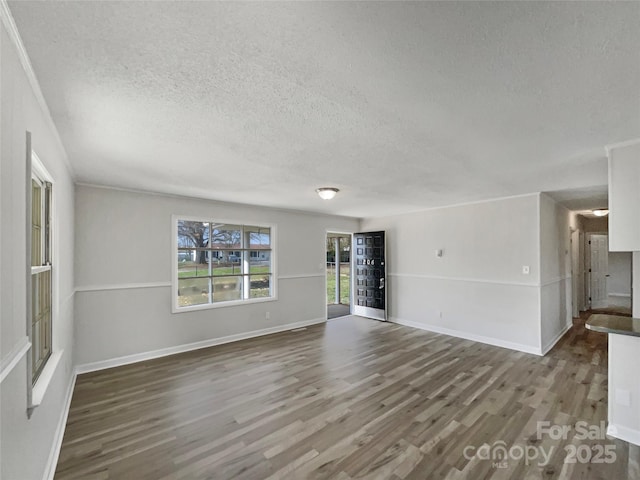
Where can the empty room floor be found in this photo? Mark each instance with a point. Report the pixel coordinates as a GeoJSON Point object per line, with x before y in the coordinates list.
{"type": "Point", "coordinates": [352, 398]}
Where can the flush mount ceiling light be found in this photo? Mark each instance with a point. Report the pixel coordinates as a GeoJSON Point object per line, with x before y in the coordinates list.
{"type": "Point", "coordinates": [601, 212]}
{"type": "Point", "coordinates": [327, 193]}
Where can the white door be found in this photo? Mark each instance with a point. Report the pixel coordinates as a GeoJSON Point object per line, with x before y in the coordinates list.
{"type": "Point", "coordinates": [599, 246]}
{"type": "Point", "coordinates": [575, 273]}
{"type": "Point", "coordinates": [583, 280]}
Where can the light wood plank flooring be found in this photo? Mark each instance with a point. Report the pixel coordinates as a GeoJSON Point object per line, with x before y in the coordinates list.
{"type": "Point", "coordinates": [353, 398]}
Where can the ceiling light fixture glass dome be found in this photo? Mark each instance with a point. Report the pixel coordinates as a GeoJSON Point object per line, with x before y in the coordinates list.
{"type": "Point", "coordinates": [601, 212]}
{"type": "Point", "coordinates": [327, 193]}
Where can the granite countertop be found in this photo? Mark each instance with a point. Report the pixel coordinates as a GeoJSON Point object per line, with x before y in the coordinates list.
{"type": "Point", "coordinates": [614, 324]}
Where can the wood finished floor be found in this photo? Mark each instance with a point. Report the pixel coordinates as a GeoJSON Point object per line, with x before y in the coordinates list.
{"type": "Point", "coordinates": [353, 398]}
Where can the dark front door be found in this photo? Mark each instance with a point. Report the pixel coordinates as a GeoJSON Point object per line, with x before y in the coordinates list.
{"type": "Point", "coordinates": [369, 289]}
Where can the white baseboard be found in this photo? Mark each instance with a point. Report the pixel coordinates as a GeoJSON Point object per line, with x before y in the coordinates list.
{"type": "Point", "coordinates": [163, 352]}
{"type": "Point", "coordinates": [52, 461]}
{"type": "Point", "coordinates": [624, 433]}
{"type": "Point", "coordinates": [556, 339]}
{"type": "Point", "coordinates": [469, 336]}
{"type": "Point", "coordinates": [624, 295]}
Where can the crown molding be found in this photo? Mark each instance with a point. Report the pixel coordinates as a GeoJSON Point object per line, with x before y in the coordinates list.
{"type": "Point", "coordinates": [627, 143]}
{"type": "Point", "coordinates": [461, 204]}
{"type": "Point", "coordinates": [139, 191]}
{"type": "Point", "coordinates": [14, 35]}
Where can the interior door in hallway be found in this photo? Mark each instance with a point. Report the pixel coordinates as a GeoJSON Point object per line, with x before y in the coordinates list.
{"type": "Point", "coordinates": [599, 256]}
{"type": "Point", "coordinates": [576, 273]}
{"type": "Point", "coordinates": [369, 292]}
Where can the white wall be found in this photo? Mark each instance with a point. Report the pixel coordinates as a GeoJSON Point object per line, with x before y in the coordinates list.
{"type": "Point", "coordinates": [619, 273]}
{"type": "Point", "coordinates": [624, 418]}
{"type": "Point", "coordinates": [555, 270]}
{"type": "Point", "coordinates": [26, 443]}
{"type": "Point", "coordinates": [123, 242]}
{"type": "Point", "coordinates": [624, 381]}
{"type": "Point", "coordinates": [635, 284]}
{"type": "Point", "coordinates": [624, 196]}
{"type": "Point", "coordinates": [476, 289]}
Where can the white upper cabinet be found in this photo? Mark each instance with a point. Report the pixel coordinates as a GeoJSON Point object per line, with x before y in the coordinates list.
{"type": "Point", "coordinates": [624, 197]}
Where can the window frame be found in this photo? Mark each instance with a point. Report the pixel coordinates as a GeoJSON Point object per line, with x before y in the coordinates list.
{"type": "Point", "coordinates": [41, 176]}
{"type": "Point", "coordinates": [175, 308]}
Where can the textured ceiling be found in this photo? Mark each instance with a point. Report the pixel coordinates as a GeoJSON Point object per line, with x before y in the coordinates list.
{"type": "Point", "coordinates": [402, 106]}
{"type": "Point", "coordinates": [582, 199]}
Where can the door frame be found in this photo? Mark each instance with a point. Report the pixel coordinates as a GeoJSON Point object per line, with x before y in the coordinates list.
{"type": "Point", "coordinates": [337, 231]}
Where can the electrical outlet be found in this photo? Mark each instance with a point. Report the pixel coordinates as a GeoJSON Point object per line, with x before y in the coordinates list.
{"type": "Point", "coordinates": [525, 269]}
{"type": "Point", "coordinates": [267, 315]}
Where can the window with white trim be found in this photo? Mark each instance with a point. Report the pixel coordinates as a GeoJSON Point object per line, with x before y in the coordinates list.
{"type": "Point", "coordinates": [41, 267]}
{"type": "Point", "coordinates": [221, 263]}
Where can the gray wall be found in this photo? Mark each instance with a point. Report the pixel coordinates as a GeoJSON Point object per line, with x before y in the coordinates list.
{"type": "Point", "coordinates": [27, 443]}
{"type": "Point", "coordinates": [123, 273]}
{"type": "Point", "coordinates": [555, 270]}
{"type": "Point", "coordinates": [619, 282]}
{"type": "Point", "coordinates": [477, 288]}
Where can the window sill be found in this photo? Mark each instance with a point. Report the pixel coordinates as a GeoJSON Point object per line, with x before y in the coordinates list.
{"type": "Point", "coordinates": [232, 303]}
{"type": "Point", "coordinates": [42, 384]}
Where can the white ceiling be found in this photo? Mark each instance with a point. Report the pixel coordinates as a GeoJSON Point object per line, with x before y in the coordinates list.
{"type": "Point", "coordinates": [583, 200]}
{"type": "Point", "coordinates": [402, 106]}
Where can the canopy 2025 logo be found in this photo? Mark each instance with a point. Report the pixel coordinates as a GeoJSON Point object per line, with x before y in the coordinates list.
{"type": "Point", "coordinates": [500, 454]}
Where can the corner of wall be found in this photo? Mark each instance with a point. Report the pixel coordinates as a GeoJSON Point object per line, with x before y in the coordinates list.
{"type": "Point", "coordinates": [539, 269]}
{"type": "Point", "coordinates": [635, 284]}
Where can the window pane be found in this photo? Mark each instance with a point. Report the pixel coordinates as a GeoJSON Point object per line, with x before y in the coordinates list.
{"type": "Point", "coordinates": [235, 260]}
{"type": "Point", "coordinates": [227, 288]}
{"type": "Point", "coordinates": [45, 294]}
{"type": "Point", "coordinates": [40, 320]}
{"type": "Point", "coordinates": [193, 291]}
{"type": "Point", "coordinates": [259, 237]}
{"type": "Point", "coordinates": [226, 262]}
{"type": "Point", "coordinates": [193, 234]}
{"type": "Point", "coordinates": [47, 224]}
{"type": "Point", "coordinates": [260, 286]}
{"type": "Point", "coordinates": [259, 261]}
{"type": "Point", "coordinates": [36, 304]}
{"type": "Point", "coordinates": [35, 298]}
{"type": "Point", "coordinates": [36, 224]}
{"type": "Point", "coordinates": [192, 263]}
{"type": "Point", "coordinates": [35, 347]}
{"type": "Point", "coordinates": [226, 236]}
